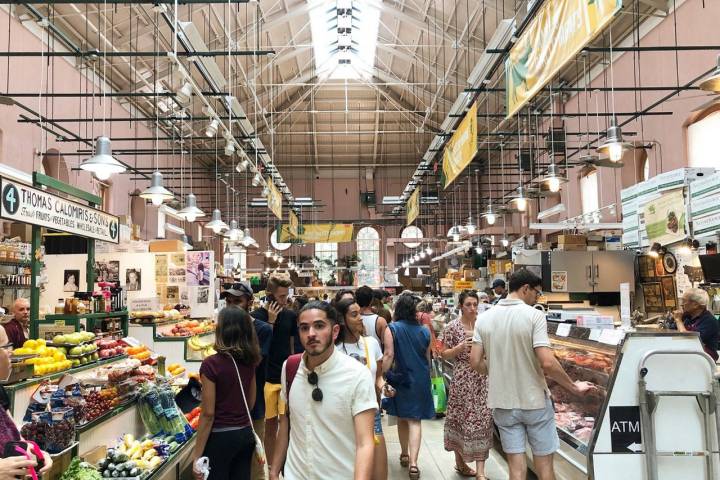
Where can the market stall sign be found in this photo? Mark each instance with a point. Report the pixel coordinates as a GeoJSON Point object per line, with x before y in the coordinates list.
{"type": "Point", "coordinates": [625, 433]}
{"type": "Point", "coordinates": [556, 34]}
{"type": "Point", "coordinates": [318, 233]}
{"type": "Point", "coordinates": [38, 207]}
{"type": "Point", "coordinates": [462, 147]}
{"type": "Point", "coordinates": [293, 224]}
{"type": "Point", "coordinates": [461, 285]}
{"type": "Point", "coordinates": [665, 218]}
{"type": "Point", "coordinates": [274, 198]}
{"type": "Point", "coordinates": [413, 206]}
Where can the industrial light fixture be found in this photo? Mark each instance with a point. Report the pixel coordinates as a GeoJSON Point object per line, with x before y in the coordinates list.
{"type": "Point", "coordinates": [490, 215]}
{"type": "Point", "coordinates": [184, 94]}
{"type": "Point", "coordinates": [191, 212]}
{"type": "Point", "coordinates": [407, 272]}
{"type": "Point", "coordinates": [156, 193]}
{"type": "Point", "coordinates": [429, 250]}
{"type": "Point", "coordinates": [505, 242]}
{"type": "Point", "coordinates": [712, 82]}
{"type": "Point", "coordinates": [268, 253]}
{"type": "Point", "coordinates": [186, 243]}
{"type": "Point", "coordinates": [234, 233]}
{"type": "Point", "coordinates": [242, 165]}
{"type": "Point", "coordinates": [422, 254]}
{"type": "Point", "coordinates": [257, 179]}
{"type": "Point", "coordinates": [265, 191]}
{"type": "Point", "coordinates": [247, 239]}
{"type": "Point", "coordinates": [212, 129]}
{"type": "Point", "coordinates": [687, 246]}
{"type": "Point", "coordinates": [229, 148]}
{"type": "Point", "coordinates": [613, 146]}
{"type": "Point", "coordinates": [216, 224]}
{"type": "Point", "coordinates": [552, 178]}
{"type": "Point", "coordinates": [470, 226]}
{"type": "Point", "coordinates": [102, 164]}
{"type": "Point", "coordinates": [419, 272]}
{"type": "Point", "coordinates": [656, 250]}
{"type": "Point", "coordinates": [520, 200]}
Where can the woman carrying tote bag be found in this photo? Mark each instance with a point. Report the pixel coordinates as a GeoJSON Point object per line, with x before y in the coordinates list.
{"type": "Point", "coordinates": [225, 434]}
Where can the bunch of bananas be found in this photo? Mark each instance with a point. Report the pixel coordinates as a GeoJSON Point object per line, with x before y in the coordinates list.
{"type": "Point", "coordinates": [198, 345]}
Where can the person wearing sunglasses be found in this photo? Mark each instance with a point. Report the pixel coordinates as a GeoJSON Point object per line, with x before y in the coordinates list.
{"type": "Point", "coordinates": [328, 430]}
{"type": "Point", "coordinates": [511, 346]}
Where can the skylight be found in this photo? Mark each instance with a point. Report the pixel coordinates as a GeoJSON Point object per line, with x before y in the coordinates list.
{"type": "Point", "coordinates": [344, 37]}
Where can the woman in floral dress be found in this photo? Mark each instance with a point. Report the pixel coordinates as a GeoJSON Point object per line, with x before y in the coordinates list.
{"type": "Point", "coordinates": [468, 422]}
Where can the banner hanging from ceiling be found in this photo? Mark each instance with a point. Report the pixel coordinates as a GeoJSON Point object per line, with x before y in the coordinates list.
{"type": "Point", "coordinates": [413, 206]}
{"type": "Point", "coordinates": [462, 147]}
{"type": "Point", "coordinates": [665, 218]}
{"type": "Point", "coordinates": [318, 233]}
{"type": "Point", "coordinates": [560, 29]}
{"type": "Point", "coordinates": [37, 207]}
{"type": "Point", "coordinates": [274, 198]}
{"type": "Point", "coordinates": [293, 224]}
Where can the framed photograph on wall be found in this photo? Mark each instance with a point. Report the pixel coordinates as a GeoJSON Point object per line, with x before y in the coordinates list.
{"type": "Point", "coordinates": [653, 297]}
{"type": "Point", "coordinates": [647, 266]}
{"type": "Point", "coordinates": [669, 291]}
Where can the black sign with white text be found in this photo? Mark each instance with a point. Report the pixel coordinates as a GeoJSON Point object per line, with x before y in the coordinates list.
{"type": "Point", "coordinates": [625, 435]}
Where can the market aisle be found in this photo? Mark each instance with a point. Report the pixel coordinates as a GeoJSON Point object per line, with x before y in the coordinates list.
{"type": "Point", "coordinates": [434, 462]}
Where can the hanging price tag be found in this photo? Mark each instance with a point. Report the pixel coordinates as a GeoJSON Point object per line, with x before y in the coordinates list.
{"type": "Point", "coordinates": [595, 334]}
{"type": "Point", "coordinates": [611, 337]}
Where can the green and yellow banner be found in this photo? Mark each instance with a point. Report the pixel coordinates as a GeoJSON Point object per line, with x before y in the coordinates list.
{"type": "Point", "coordinates": [560, 29]}
{"type": "Point", "coordinates": [665, 218]}
{"type": "Point", "coordinates": [318, 233]}
{"type": "Point", "coordinates": [413, 206]}
{"type": "Point", "coordinates": [274, 198]}
{"type": "Point", "coordinates": [462, 147]}
{"type": "Point", "coordinates": [293, 224]}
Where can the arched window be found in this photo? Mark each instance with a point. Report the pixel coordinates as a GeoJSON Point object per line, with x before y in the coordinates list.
{"type": "Point", "coordinates": [589, 192]}
{"type": "Point", "coordinates": [327, 255]}
{"type": "Point", "coordinates": [368, 251]}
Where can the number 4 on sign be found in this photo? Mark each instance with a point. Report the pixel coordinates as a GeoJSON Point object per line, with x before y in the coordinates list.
{"type": "Point", "coordinates": [635, 447]}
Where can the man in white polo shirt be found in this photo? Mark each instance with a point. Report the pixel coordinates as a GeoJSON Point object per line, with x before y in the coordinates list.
{"type": "Point", "coordinates": [331, 407]}
{"type": "Point", "coordinates": [512, 347]}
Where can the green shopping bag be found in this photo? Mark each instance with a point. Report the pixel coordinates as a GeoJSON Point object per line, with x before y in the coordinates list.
{"type": "Point", "coordinates": [437, 385]}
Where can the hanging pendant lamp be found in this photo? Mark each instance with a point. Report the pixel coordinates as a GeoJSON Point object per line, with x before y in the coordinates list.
{"type": "Point", "coordinates": [216, 224]}
{"type": "Point", "coordinates": [186, 242]}
{"type": "Point", "coordinates": [520, 200]}
{"type": "Point", "coordinates": [102, 164]}
{"type": "Point", "coordinates": [552, 178]}
{"type": "Point", "coordinates": [191, 212]}
{"type": "Point", "coordinates": [234, 233]}
{"type": "Point", "coordinates": [712, 82]}
{"type": "Point", "coordinates": [156, 192]}
{"type": "Point", "coordinates": [490, 215]}
{"type": "Point", "coordinates": [614, 146]}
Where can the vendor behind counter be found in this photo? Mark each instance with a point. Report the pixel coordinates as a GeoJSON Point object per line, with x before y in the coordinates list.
{"type": "Point", "coordinates": [695, 317]}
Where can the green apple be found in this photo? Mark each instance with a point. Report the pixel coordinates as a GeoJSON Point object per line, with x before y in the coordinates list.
{"type": "Point", "coordinates": [83, 360]}
{"type": "Point", "coordinates": [59, 339]}
{"type": "Point", "coordinates": [75, 363]}
{"type": "Point", "coordinates": [76, 351]}
{"type": "Point", "coordinates": [95, 356]}
{"type": "Point", "coordinates": [63, 350]}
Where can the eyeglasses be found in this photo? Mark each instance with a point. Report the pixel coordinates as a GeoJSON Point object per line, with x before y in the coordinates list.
{"type": "Point", "coordinates": [317, 394]}
{"type": "Point", "coordinates": [538, 292]}
{"type": "Point", "coordinates": [234, 286]}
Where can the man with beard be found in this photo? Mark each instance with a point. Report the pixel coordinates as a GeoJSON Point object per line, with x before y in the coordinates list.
{"type": "Point", "coordinates": [328, 431]}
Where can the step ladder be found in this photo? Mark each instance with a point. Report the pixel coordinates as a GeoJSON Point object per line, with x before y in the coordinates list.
{"type": "Point", "coordinates": [707, 400]}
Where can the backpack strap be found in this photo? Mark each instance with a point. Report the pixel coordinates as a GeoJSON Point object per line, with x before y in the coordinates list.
{"type": "Point", "coordinates": [291, 367]}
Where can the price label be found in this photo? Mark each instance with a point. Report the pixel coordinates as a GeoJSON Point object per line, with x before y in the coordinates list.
{"type": "Point", "coordinates": [595, 334]}
{"type": "Point", "coordinates": [611, 337]}
{"type": "Point", "coordinates": [563, 330]}
{"type": "Point", "coordinates": [59, 323]}
{"type": "Point", "coordinates": [132, 341]}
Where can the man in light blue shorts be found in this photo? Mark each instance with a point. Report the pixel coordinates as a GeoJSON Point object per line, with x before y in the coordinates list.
{"type": "Point", "coordinates": [512, 347]}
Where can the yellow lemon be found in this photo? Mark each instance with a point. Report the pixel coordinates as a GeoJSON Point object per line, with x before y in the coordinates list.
{"type": "Point", "coordinates": [40, 342]}
{"type": "Point", "coordinates": [31, 344]}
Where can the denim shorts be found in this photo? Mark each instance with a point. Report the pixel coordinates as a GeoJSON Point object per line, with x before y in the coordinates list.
{"type": "Point", "coordinates": [537, 427]}
{"type": "Point", "coordinates": [378, 423]}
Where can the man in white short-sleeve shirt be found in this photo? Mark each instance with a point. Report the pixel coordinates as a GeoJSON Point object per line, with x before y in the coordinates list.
{"type": "Point", "coordinates": [512, 347]}
{"type": "Point", "coordinates": [331, 409]}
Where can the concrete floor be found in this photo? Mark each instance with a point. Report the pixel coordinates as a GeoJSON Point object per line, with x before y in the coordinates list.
{"type": "Point", "coordinates": [434, 462]}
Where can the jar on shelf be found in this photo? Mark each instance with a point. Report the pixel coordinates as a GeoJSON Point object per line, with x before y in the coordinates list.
{"type": "Point", "coordinates": [60, 306]}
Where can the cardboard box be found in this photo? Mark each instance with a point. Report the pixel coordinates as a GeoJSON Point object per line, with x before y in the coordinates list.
{"type": "Point", "coordinates": [572, 240]}
{"type": "Point", "coordinates": [159, 246]}
{"type": "Point", "coordinates": [571, 247]}
{"type": "Point", "coordinates": [544, 246]}
{"type": "Point", "coordinates": [472, 274]}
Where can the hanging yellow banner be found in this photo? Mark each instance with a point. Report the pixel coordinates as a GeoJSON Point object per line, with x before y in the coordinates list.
{"type": "Point", "coordinates": [319, 233]}
{"type": "Point", "coordinates": [293, 224]}
{"type": "Point", "coordinates": [560, 29]}
{"type": "Point", "coordinates": [413, 206]}
{"type": "Point", "coordinates": [462, 147]}
{"type": "Point", "coordinates": [274, 198]}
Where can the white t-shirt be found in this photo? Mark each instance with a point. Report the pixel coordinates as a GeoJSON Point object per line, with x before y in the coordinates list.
{"type": "Point", "coordinates": [370, 322]}
{"type": "Point", "coordinates": [322, 434]}
{"type": "Point", "coordinates": [357, 351]}
{"type": "Point", "coordinates": [509, 333]}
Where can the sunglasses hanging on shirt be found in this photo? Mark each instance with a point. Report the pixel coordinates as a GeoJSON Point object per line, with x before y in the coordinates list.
{"type": "Point", "coordinates": [317, 394]}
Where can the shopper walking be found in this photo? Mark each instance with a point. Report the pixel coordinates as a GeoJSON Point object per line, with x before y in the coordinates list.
{"type": "Point", "coordinates": [406, 362]}
{"type": "Point", "coordinates": [354, 342]}
{"type": "Point", "coordinates": [375, 325]}
{"type": "Point", "coordinates": [425, 317]}
{"type": "Point", "coordinates": [240, 294]}
{"type": "Point", "coordinates": [468, 421]}
{"type": "Point", "coordinates": [328, 432]}
{"type": "Point", "coordinates": [284, 324]}
{"type": "Point", "coordinates": [225, 434]}
{"type": "Point", "coordinates": [511, 345]}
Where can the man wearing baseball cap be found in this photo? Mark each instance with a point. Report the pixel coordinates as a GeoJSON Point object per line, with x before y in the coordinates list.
{"type": "Point", "coordinates": [500, 290]}
{"type": "Point", "coordinates": [240, 294]}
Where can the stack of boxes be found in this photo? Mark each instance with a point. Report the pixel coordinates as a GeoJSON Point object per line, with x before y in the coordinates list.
{"type": "Point", "coordinates": [572, 243]}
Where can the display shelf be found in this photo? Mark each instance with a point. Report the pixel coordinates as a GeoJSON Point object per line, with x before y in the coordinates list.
{"type": "Point", "coordinates": [171, 460]}
{"type": "Point", "coordinates": [15, 287]}
{"type": "Point", "coordinates": [7, 263]}
{"type": "Point", "coordinates": [567, 437]}
{"type": "Point", "coordinates": [70, 448]}
{"type": "Point", "coordinates": [94, 316]}
{"type": "Point", "coordinates": [105, 417]}
{"type": "Point", "coordinates": [160, 338]}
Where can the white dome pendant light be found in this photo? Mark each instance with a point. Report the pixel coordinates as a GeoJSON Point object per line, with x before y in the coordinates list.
{"type": "Point", "coordinates": [156, 192]}
{"type": "Point", "coordinates": [102, 164]}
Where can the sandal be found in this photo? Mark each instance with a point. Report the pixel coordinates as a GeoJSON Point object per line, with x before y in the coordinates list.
{"type": "Point", "coordinates": [404, 460]}
{"type": "Point", "coordinates": [481, 477]}
{"type": "Point", "coordinates": [465, 471]}
{"type": "Point", "coordinates": [414, 473]}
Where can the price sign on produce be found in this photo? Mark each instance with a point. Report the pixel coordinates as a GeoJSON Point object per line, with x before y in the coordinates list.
{"type": "Point", "coordinates": [38, 207]}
